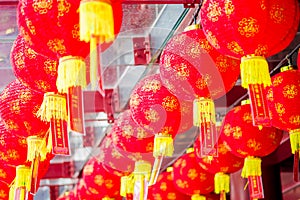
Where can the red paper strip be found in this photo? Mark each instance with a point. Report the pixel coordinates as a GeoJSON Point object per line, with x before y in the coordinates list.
{"type": "Point", "coordinates": [256, 187]}
{"type": "Point", "coordinates": [60, 137]}
{"type": "Point", "coordinates": [296, 166]}
{"type": "Point", "coordinates": [75, 110]}
{"type": "Point", "coordinates": [259, 105]}
{"type": "Point", "coordinates": [208, 139]}
{"type": "Point", "coordinates": [34, 174]}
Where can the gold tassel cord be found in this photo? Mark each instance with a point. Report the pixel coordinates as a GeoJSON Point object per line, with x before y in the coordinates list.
{"type": "Point", "coordinates": [254, 70]}
{"type": "Point", "coordinates": [222, 182]}
{"type": "Point", "coordinates": [252, 167]}
{"type": "Point", "coordinates": [127, 185]}
{"type": "Point", "coordinates": [54, 106]}
{"type": "Point", "coordinates": [22, 182]}
{"type": "Point", "coordinates": [295, 140]}
{"type": "Point", "coordinates": [163, 145]}
{"type": "Point", "coordinates": [155, 170]}
{"type": "Point", "coordinates": [71, 72]}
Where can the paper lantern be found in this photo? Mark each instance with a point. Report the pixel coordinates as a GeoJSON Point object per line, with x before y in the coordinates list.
{"type": "Point", "coordinates": [249, 34]}
{"type": "Point", "coordinates": [129, 136]}
{"type": "Point", "coordinates": [113, 161]}
{"type": "Point", "coordinates": [221, 165]}
{"type": "Point", "coordinates": [18, 107]}
{"type": "Point", "coordinates": [190, 61]}
{"type": "Point", "coordinates": [154, 107]}
{"type": "Point", "coordinates": [249, 142]}
{"type": "Point", "coordinates": [7, 173]}
{"type": "Point", "coordinates": [283, 95]}
{"type": "Point", "coordinates": [189, 178]}
{"type": "Point", "coordinates": [4, 190]}
{"type": "Point", "coordinates": [98, 181]}
{"type": "Point", "coordinates": [13, 148]}
{"type": "Point", "coordinates": [26, 62]}
{"type": "Point", "coordinates": [164, 188]}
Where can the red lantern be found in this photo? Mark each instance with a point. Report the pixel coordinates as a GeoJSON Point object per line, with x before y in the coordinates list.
{"type": "Point", "coordinates": [164, 188]}
{"type": "Point", "coordinates": [283, 95]}
{"type": "Point", "coordinates": [190, 61]}
{"type": "Point", "coordinates": [154, 107]}
{"type": "Point", "coordinates": [249, 142]}
{"type": "Point", "coordinates": [189, 178]}
{"type": "Point", "coordinates": [26, 62]}
{"type": "Point", "coordinates": [249, 34]}
{"type": "Point", "coordinates": [129, 136]}
{"type": "Point", "coordinates": [18, 107]}
{"type": "Point", "coordinates": [112, 160]}
{"type": "Point", "coordinates": [4, 190]}
{"type": "Point", "coordinates": [99, 182]}
{"type": "Point", "coordinates": [7, 172]}
{"type": "Point", "coordinates": [13, 148]}
{"type": "Point", "coordinates": [221, 165]}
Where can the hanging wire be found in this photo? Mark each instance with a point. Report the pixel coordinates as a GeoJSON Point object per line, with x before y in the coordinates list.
{"type": "Point", "coordinates": [196, 14]}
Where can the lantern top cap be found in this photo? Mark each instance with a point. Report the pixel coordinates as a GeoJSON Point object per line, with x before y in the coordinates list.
{"type": "Point", "coordinates": [190, 150]}
{"type": "Point", "coordinates": [245, 102]}
{"type": "Point", "coordinates": [169, 169]}
{"type": "Point", "coordinates": [192, 27]}
{"type": "Point", "coordinates": [286, 68]}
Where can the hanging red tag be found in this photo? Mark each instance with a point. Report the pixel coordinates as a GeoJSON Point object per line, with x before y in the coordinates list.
{"type": "Point", "coordinates": [34, 173]}
{"type": "Point", "coordinates": [208, 139]}
{"type": "Point", "coordinates": [259, 105]}
{"type": "Point", "coordinates": [296, 166]}
{"type": "Point", "coordinates": [75, 110]}
{"type": "Point", "coordinates": [60, 137]}
{"type": "Point", "coordinates": [256, 187]}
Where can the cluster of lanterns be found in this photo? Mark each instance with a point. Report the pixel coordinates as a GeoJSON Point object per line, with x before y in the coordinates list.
{"type": "Point", "coordinates": [197, 66]}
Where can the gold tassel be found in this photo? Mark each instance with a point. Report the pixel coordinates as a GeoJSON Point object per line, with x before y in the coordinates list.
{"type": "Point", "coordinates": [23, 177]}
{"type": "Point", "coordinates": [254, 70]}
{"type": "Point", "coordinates": [155, 170]}
{"type": "Point", "coordinates": [141, 173]}
{"type": "Point", "coordinates": [252, 167]}
{"type": "Point", "coordinates": [36, 145]}
{"type": "Point", "coordinates": [71, 72]}
{"type": "Point", "coordinates": [163, 145]}
{"type": "Point", "coordinates": [12, 191]}
{"type": "Point", "coordinates": [203, 111]}
{"type": "Point", "coordinates": [54, 106]}
{"type": "Point", "coordinates": [222, 182]}
{"type": "Point", "coordinates": [198, 197]}
{"type": "Point", "coordinates": [94, 62]}
{"type": "Point", "coordinates": [127, 185]}
{"type": "Point", "coordinates": [96, 19]}
{"type": "Point", "coordinates": [295, 140]}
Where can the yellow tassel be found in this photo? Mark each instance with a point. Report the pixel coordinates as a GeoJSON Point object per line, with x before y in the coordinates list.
{"type": "Point", "coordinates": [254, 70]}
{"type": "Point", "coordinates": [203, 111]}
{"type": "Point", "coordinates": [198, 197]}
{"type": "Point", "coordinates": [252, 167]}
{"type": "Point", "coordinates": [12, 191]}
{"type": "Point", "coordinates": [163, 145]}
{"type": "Point", "coordinates": [23, 177]}
{"type": "Point", "coordinates": [295, 140]}
{"type": "Point", "coordinates": [222, 182]}
{"type": "Point", "coordinates": [54, 106]}
{"type": "Point", "coordinates": [71, 72]}
{"type": "Point", "coordinates": [141, 173]}
{"type": "Point", "coordinates": [96, 19]}
{"type": "Point", "coordinates": [36, 145]}
{"type": "Point", "coordinates": [155, 170]}
{"type": "Point", "coordinates": [286, 68]}
{"type": "Point", "coordinates": [127, 185]}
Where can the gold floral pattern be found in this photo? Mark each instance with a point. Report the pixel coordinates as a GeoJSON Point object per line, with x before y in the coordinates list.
{"type": "Point", "coordinates": [247, 117]}
{"type": "Point", "coordinates": [277, 14]}
{"type": "Point", "coordinates": [261, 50]}
{"type": "Point", "coordinates": [42, 85]}
{"type": "Point", "coordinates": [182, 184]}
{"type": "Point", "coordinates": [192, 174]}
{"type": "Point", "coordinates": [14, 107]}
{"type": "Point", "coordinates": [50, 67]}
{"type": "Point", "coordinates": [212, 40]}
{"type": "Point", "coordinates": [141, 133]}
{"type": "Point", "coordinates": [57, 46]}
{"type": "Point", "coordinates": [151, 86]}
{"type": "Point", "coordinates": [3, 174]}
{"type": "Point", "coordinates": [166, 130]}
{"type": "Point", "coordinates": [214, 11]}
{"type": "Point", "coordinates": [63, 7]}
{"type": "Point", "coordinates": [88, 169]}
{"type": "Point", "coordinates": [295, 120]}
{"type": "Point", "coordinates": [42, 6]}
{"type": "Point", "coordinates": [182, 71]}
{"type": "Point", "coordinates": [280, 109]}
{"type": "Point", "coordinates": [3, 194]}
{"type": "Point", "coordinates": [290, 91]}
{"type": "Point", "coordinates": [222, 63]}
{"type": "Point", "coordinates": [163, 186]}
{"type": "Point", "coordinates": [235, 48]}
{"type": "Point", "coordinates": [229, 8]}
{"type": "Point", "coordinates": [253, 144]}
{"type": "Point", "coordinates": [170, 103]}
{"type": "Point", "coordinates": [222, 149]}
{"type": "Point", "coordinates": [151, 115]}
{"type": "Point", "coordinates": [99, 180]}
{"type": "Point", "coordinates": [171, 196]}
{"type": "Point", "coordinates": [135, 100]}
{"type": "Point", "coordinates": [248, 27]}
{"type": "Point", "coordinates": [277, 80]}
{"type": "Point", "coordinates": [109, 183]}
{"type": "Point", "coordinates": [127, 131]}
